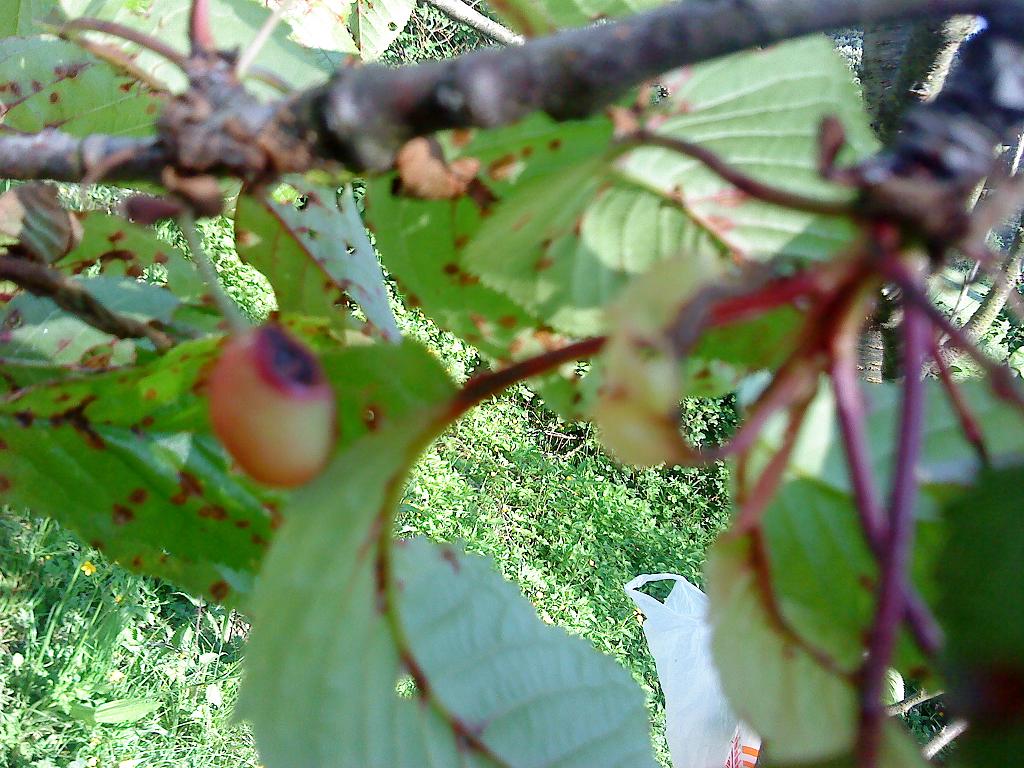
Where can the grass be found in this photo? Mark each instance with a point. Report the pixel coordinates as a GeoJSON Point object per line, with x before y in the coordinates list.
{"type": "Point", "coordinates": [77, 632]}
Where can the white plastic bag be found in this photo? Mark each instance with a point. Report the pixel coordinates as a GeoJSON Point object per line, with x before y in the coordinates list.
{"type": "Point", "coordinates": [701, 729]}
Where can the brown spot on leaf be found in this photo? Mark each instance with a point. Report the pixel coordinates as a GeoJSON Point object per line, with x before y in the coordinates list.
{"type": "Point", "coordinates": [502, 168]}
{"type": "Point", "coordinates": [448, 555]}
{"type": "Point", "coordinates": [3, 444]}
{"type": "Point", "coordinates": [522, 221]}
{"type": "Point", "coordinates": [138, 496]}
{"type": "Point", "coordinates": [460, 241]}
{"type": "Point", "coordinates": [461, 137]}
{"type": "Point", "coordinates": [372, 417]}
{"type": "Point", "coordinates": [276, 518]}
{"type": "Point", "coordinates": [136, 562]}
{"type": "Point", "coordinates": [544, 262]}
{"type": "Point", "coordinates": [54, 97]}
{"type": "Point", "coordinates": [242, 524]}
{"type": "Point", "coordinates": [213, 512]}
{"type": "Point", "coordinates": [24, 418]}
{"type": "Point", "coordinates": [219, 590]}
{"type": "Point", "coordinates": [5, 484]}
{"type": "Point", "coordinates": [190, 486]}
{"type": "Point", "coordinates": [555, 144]}
{"type": "Point", "coordinates": [508, 321]}
{"type": "Point", "coordinates": [122, 515]}
{"type": "Point", "coordinates": [450, 269]}
{"type": "Point", "coordinates": [258, 540]}
{"type": "Point", "coordinates": [526, 151]}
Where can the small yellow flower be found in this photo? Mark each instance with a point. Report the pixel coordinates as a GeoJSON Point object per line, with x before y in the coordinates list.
{"type": "Point", "coordinates": [118, 599]}
{"type": "Point", "coordinates": [88, 568]}
{"type": "Point", "coordinates": [115, 676]}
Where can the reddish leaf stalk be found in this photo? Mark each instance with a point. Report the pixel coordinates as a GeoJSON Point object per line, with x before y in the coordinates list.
{"type": "Point", "coordinates": [740, 180]}
{"type": "Point", "coordinates": [479, 388]}
{"type": "Point", "coordinates": [851, 414]}
{"type": "Point", "coordinates": [130, 35]}
{"type": "Point", "coordinates": [999, 377]}
{"type": "Point", "coordinates": [892, 587]}
{"type": "Point", "coordinates": [969, 425]}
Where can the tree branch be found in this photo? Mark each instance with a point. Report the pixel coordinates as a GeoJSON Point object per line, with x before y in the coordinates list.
{"type": "Point", "coordinates": [901, 708]}
{"type": "Point", "coordinates": [363, 115]}
{"type": "Point", "coordinates": [70, 296]}
{"type": "Point", "coordinates": [944, 738]}
{"type": "Point", "coordinates": [459, 11]}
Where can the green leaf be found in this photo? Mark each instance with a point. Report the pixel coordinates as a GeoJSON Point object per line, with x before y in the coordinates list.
{"type": "Point", "coordinates": [21, 17]}
{"type": "Point", "coordinates": [897, 750]}
{"type": "Point", "coordinates": [123, 248]}
{"type": "Point", "coordinates": [40, 340]}
{"type": "Point", "coordinates": [982, 594]}
{"type": "Point", "coordinates": [125, 710]}
{"type": "Point", "coordinates": [323, 25]}
{"type": "Point", "coordinates": [422, 242]}
{"type": "Point", "coordinates": [803, 709]}
{"type": "Point", "coordinates": [540, 17]}
{"type": "Point", "coordinates": [529, 692]}
{"type": "Point", "coordinates": [314, 254]}
{"type": "Point", "coordinates": [948, 462]}
{"type": "Point", "coordinates": [445, 618]}
{"type": "Point", "coordinates": [824, 575]}
{"type": "Point", "coordinates": [375, 24]}
{"type": "Point", "coordinates": [234, 25]}
{"type": "Point", "coordinates": [55, 84]}
{"type": "Point", "coordinates": [759, 111]}
{"type": "Point", "coordinates": [127, 460]}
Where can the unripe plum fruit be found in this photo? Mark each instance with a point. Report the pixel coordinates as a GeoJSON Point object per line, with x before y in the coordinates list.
{"type": "Point", "coordinates": [272, 407]}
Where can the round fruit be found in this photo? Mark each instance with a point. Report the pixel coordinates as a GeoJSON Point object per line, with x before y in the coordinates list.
{"type": "Point", "coordinates": [272, 407]}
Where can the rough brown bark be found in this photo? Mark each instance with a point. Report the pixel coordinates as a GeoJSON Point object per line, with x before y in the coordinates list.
{"type": "Point", "coordinates": [363, 115]}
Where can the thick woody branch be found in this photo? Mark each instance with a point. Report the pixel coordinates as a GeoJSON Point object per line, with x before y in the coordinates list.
{"type": "Point", "coordinates": [363, 115]}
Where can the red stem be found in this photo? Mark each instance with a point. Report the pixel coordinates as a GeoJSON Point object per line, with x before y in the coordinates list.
{"type": "Point", "coordinates": [969, 425]}
{"type": "Point", "coordinates": [199, 33]}
{"type": "Point", "coordinates": [1000, 378]}
{"type": "Point", "coordinates": [479, 388]}
{"type": "Point", "coordinates": [851, 413]}
{"type": "Point", "coordinates": [892, 587]}
{"type": "Point", "coordinates": [740, 180]}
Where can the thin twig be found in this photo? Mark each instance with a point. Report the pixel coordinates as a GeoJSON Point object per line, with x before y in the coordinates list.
{"type": "Point", "coordinates": [459, 11]}
{"type": "Point", "coordinates": [1000, 378]}
{"type": "Point", "coordinates": [248, 56]}
{"type": "Point", "coordinates": [944, 738]}
{"type": "Point", "coordinates": [901, 708]}
{"type": "Point", "coordinates": [131, 35]}
{"type": "Point", "coordinates": [486, 385]}
{"type": "Point", "coordinates": [968, 424]}
{"type": "Point", "coordinates": [740, 180]}
{"type": "Point", "coordinates": [236, 322]}
{"type": "Point", "coordinates": [72, 297]}
{"type": "Point", "coordinates": [118, 58]}
{"type": "Point", "coordinates": [851, 414]}
{"type": "Point", "coordinates": [892, 585]}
